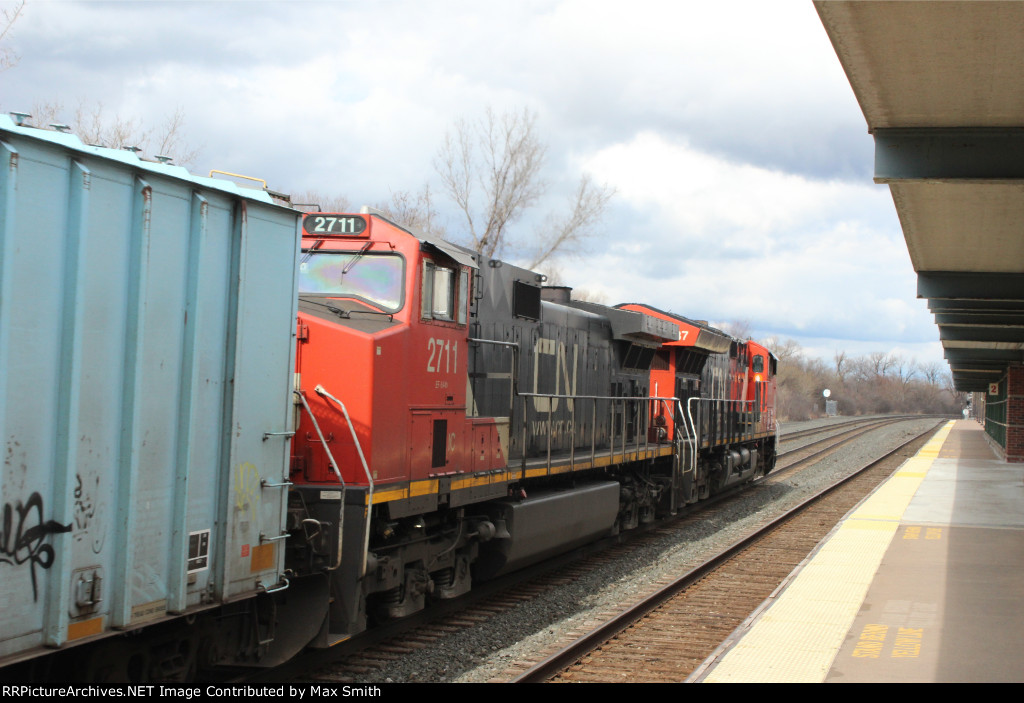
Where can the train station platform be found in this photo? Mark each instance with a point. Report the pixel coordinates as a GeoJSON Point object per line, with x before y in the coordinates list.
{"type": "Point", "coordinates": [921, 582]}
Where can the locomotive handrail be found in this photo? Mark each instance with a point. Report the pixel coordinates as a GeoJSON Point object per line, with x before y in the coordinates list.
{"type": "Point", "coordinates": [688, 436]}
{"type": "Point", "coordinates": [366, 469]}
{"type": "Point", "coordinates": [337, 472]}
{"type": "Point", "coordinates": [593, 448]}
{"type": "Point", "coordinates": [513, 345]}
{"type": "Point", "coordinates": [686, 429]}
{"type": "Point", "coordinates": [677, 446]}
{"type": "Point", "coordinates": [280, 586]}
{"type": "Point", "coordinates": [268, 435]}
{"type": "Point", "coordinates": [592, 397]}
{"type": "Point", "coordinates": [696, 437]}
{"type": "Point", "coordinates": [717, 403]}
{"type": "Point", "coordinates": [316, 426]}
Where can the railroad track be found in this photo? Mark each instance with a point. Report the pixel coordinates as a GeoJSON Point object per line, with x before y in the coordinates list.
{"type": "Point", "coordinates": [803, 455]}
{"type": "Point", "coordinates": [788, 437]}
{"type": "Point", "coordinates": [369, 657]}
{"type": "Point", "coordinates": [669, 633]}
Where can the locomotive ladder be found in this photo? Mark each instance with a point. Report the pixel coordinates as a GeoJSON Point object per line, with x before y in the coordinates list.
{"type": "Point", "coordinates": [684, 458]}
{"type": "Point", "coordinates": [321, 391]}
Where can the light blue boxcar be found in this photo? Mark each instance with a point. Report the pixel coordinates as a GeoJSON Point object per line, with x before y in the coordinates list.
{"type": "Point", "coordinates": [146, 357]}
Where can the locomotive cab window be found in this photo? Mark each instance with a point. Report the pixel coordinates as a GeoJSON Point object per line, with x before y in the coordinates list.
{"type": "Point", "coordinates": [445, 293]}
{"type": "Point", "coordinates": [373, 278]}
{"type": "Point", "coordinates": [758, 364]}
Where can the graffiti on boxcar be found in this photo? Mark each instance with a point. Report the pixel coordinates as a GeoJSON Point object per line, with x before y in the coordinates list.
{"type": "Point", "coordinates": [85, 511]}
{"type": "Point", "coordinates": [24, 542]}
{"type": "Point", "coordinates": [84, 508]}
{"type": "Point", "coordinates": [247, 489]}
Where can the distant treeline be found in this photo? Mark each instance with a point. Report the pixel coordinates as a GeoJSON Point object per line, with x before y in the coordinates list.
{"type": "Point", "coordinates": [861, 385]}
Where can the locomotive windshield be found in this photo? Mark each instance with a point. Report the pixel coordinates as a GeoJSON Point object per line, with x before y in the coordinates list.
{"type": "Point", "coordinates": [376, 278]}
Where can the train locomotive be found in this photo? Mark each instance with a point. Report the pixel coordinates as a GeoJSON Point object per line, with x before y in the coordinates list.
{"type": "Point", "coordinates": [459, 419]}
{"type": "Point", "coordinates": [252, 430]}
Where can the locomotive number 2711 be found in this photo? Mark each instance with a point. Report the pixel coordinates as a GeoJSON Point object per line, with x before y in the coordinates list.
{"type": "Point", "coordinates": [444, 356]}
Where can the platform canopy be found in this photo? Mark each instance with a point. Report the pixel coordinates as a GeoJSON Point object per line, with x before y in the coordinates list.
{"type": "Point", "coordinates": [941, 85]}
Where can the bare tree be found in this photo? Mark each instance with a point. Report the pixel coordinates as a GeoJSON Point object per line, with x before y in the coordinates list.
{"type": "Point", "coordinates": [94, 125]}
{"type": "Point", "coordinates": [785, 350]}
{"type": "Point", "coordinates": [491, 169]}
{"type": "Point", "coordinates": [172, 141]}
{"type": "Point", "coordinates": [903, 369]}
{"type": "Point", "coordinates": [8, 16]}
{"type": "Point", "coordinates": [587, 207]}
{"type": "Point", "coordinates": [842, 368]}
{"type": "Point", "coordinates": [879, 382]}
{"type": "Point", "coordinates": [903, 372]}
{"type": "Point", "coordinates": [414, 211]}
{"type": "Point", "coordinates": [740, 329]}
{"type": "Point", "coordinates": [932, 372]}
{"type": "Point", "coordinates": [502, 157]}
{"type": "Point", "coordinates": [879, 363]}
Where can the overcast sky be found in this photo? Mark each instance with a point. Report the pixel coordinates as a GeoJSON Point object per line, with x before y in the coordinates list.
{"type": "Point", "coordinates": [740, 157]}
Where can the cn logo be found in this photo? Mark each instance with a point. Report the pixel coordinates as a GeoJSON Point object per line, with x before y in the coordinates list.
{"type": "Point", "coordinates": [563, 384]}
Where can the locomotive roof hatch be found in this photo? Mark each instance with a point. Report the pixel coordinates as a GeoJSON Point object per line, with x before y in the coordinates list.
{"type": "Point", "coordinates": [633, 326]}
{"type": "Point", "coordinates": [709, 339]}
{"type": "Point", "coordinates": [715, 341]}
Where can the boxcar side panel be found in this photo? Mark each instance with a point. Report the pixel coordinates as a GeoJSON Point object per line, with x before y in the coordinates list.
{"type": "Point", "coordinates": [146, 356]}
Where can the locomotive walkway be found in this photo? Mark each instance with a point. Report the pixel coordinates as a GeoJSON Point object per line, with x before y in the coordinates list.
{"type": "Point", "coordinates": [919, 583]}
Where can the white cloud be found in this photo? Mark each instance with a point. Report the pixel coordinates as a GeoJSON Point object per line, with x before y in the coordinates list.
{"type": "Point", "coordinates": [701, 191]}
{"type": "Point", "coordinates": [726, 241]}
{"type": "Point", "coordinates": [728, 129]}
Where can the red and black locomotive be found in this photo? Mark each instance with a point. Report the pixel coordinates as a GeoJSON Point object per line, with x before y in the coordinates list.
{"type": "Point", "coordinates": [457, 419]}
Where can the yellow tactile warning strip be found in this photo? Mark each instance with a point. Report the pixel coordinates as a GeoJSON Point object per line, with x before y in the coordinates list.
{"type": "Point", "coordinates": [796, 638]}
